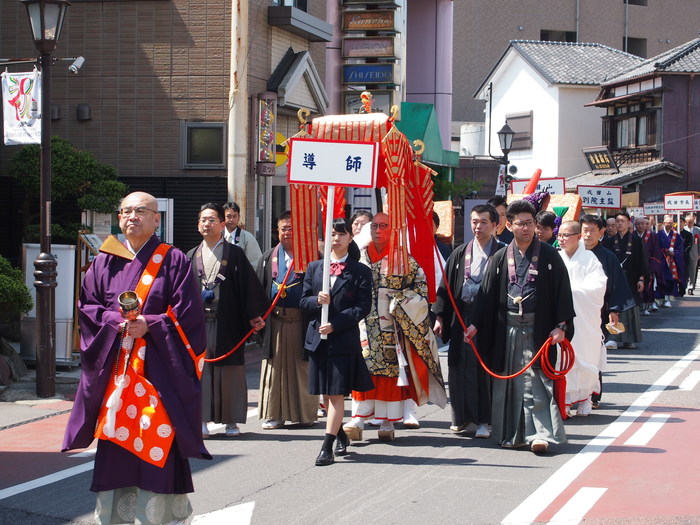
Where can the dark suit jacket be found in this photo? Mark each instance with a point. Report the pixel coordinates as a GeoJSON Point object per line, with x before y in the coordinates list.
{"type": "Point", "coordinates": [351, 301]}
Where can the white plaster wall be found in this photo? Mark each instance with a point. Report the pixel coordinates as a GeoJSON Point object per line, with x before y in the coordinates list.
{"type": "Point", "coordinates": [579, 127]}
{"type": "Point", "coordinates": [517, 88]}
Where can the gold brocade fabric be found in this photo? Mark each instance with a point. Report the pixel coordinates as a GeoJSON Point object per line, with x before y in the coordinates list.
{"type": "Point", "coordinates": [398, 302]}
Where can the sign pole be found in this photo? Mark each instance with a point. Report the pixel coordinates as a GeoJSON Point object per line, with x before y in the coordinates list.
{"type": "Point", "coordinates": [327, 241]}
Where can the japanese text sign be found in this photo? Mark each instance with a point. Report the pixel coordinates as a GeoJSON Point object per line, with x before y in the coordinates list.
{"type": "Point", "coordinates": [682, 202]}
{"type": "Point", "coordinates": [554, 186]}
{"type": "Point", "coordinates": [600, 196]}
{"type": "Point", "coordinates": [654, 208]}
{"type": "Point", "coordinates": [333, 162]}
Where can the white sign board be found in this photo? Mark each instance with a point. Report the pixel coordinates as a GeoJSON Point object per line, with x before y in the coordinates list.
{"type": "Point", "coordinates": [555, 186]}
{"type": "Point", "coordinates": [333, 162]}
{"type": "Point", "coordinates": [654, 208]}
{"type": "Point", "coordinates": [635, 211]}
{"type": "Point", "coordinates": [683, 202]}
{"type": "Point", "coordinates": [600, 196]}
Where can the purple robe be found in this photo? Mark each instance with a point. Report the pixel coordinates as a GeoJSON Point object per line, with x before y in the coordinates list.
{"type": "Point", "coordinates": [652, 248]}
{"type": "Point", "coordinates": [670, 287]}
{"type": "Point", "coordinates": [168, 366]}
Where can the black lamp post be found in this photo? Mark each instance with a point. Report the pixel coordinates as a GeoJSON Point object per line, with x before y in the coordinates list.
{"type": "Point", "coordinates": [505, 139]}
{"type": "Point", "coordinates": [46, 18]}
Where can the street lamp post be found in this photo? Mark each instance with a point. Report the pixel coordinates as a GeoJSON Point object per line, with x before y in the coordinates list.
{"type": "Point", "coordinates": [505, 139]}
{"type": "Point", "coordinates": [46, 19]}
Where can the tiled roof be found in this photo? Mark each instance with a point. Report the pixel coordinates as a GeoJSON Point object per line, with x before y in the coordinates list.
{"type": "Point", "coordinates": [628, 172]}
{"type": "Point", "coordinates": [682, 59]}
{"type": "Point", "coordinates": [575, 63]}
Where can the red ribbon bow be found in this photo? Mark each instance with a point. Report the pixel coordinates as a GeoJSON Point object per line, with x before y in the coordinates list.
{"type": "Point", "coordinates": [337, 268]}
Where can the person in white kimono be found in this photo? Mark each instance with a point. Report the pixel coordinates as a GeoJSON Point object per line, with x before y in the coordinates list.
{"type": "Point", "coordinates": [588, 282]}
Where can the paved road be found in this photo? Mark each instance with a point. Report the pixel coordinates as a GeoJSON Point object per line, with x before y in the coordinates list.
{"type": "Point", "coordinates": [632, 461]}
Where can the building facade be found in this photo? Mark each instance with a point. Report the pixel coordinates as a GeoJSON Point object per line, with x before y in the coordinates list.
{"type": "Point", "coordinates": [483, 29]}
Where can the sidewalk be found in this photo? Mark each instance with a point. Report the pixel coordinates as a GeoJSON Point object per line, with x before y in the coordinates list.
{"type": "Point", "coordinates": [19, 403]}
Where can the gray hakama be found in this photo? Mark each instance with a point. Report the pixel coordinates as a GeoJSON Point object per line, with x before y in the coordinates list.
{"type": "Point", "coordinates": [524, 407]}
{"type": "Point", "coordinates": [224, 388]}
{"type": "Point", "coordinates": [284, 378]}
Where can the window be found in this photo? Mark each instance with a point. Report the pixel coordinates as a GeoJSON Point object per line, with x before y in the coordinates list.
{"type": "Point", "coordinates": [204, 145]}
{"type": "Point", "coordinates": [299, 4]}
{"type": "Point", "coordinates": [636, 46]}
{"type": "Point", "coordinates": [634, 126]}
{"type": "Point", "coordinates": [521, 123]}
{"type": "Point", "coordinates": [637, 2]}
{"type": "Point", "coordinates": [547, 35]}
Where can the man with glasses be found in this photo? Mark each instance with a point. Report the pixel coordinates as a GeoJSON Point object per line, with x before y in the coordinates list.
{"type": "Point", "coordinates": [524, 299]}
{"type": "Point", "coordinates": [234, 302]}
{"type": "Point", "coordinates": [284, 376]}
{"type": "Point", "coordinates": [588, 282]}
{"type": "Point", "coordinates": [398, 343]}
{"type": "Point", "coordinates": [128, 483]}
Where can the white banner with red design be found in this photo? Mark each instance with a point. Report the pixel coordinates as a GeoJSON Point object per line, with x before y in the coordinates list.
{"type": "Point", "coordinates": [21, 107]}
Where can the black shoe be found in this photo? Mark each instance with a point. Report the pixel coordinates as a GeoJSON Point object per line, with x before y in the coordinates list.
{"type": "Point", "coordinates": [324, 458]}
{"type": "Point", "coordinates": [341, 446]}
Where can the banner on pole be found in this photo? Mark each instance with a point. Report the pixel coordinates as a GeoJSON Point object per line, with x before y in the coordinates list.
{"type": "Point", "coordinates": [21, 107]}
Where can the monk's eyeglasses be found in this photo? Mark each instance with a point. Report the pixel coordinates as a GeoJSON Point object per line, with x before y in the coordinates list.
{"type": "Point", "coordinates": [140, 211]}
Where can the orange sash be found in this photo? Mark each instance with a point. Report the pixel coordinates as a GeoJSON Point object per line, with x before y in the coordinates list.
{"type": "Point", "coordinates": [132, 414]}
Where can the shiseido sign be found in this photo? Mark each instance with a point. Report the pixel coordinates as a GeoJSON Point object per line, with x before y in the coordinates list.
{"type": "Point", "coordinates": [379, 20]}
{"type": "Point", "coordinates": [363, 74]}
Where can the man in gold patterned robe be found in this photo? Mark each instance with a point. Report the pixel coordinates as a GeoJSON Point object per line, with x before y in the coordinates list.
{"type": "Point", "coordinates": [398, 343]}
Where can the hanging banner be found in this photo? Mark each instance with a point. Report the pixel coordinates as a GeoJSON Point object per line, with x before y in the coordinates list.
{"type": "Point", "coordinates": [501, 181]}
{"type": "Point", "coordinates": [21, 107]}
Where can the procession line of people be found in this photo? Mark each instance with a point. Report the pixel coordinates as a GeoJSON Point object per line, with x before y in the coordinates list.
{"type": "Point", "coordinates": [167, 365]}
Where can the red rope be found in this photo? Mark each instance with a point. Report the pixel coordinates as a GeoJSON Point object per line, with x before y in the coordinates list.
{"type": "Point", "coordinates": [549, 370]}
{"type": "Point", "coordinates": [252, 330]}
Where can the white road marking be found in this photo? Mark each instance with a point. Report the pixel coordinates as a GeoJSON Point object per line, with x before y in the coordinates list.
{"type": "Point", "coordinates": [690, 382]}
{"type": "Point", "coordinates": [45, 480]}
{"type": "Point", "coordinates": [85, 453]}
{"type": "Point", "coordinates": [647, 431]}
{"type": "Point", "coordinates": [546, 493]}
{"type": "Point", "coordinates": [78, 469]}
{"type": "Point", "coordinates": [577, 507]}
{"type": "Point", "coordinates": [236, 515]}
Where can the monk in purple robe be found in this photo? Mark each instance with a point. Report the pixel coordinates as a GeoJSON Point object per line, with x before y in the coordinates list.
{"type": "Point", "coordinates": [673, 264]}
{"type": "Point", "coordinates": [128, 487]}
{"type": "Point", "coordinates": [652, 248]}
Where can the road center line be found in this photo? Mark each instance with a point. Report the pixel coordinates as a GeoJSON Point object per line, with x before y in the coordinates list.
{"type": "Point", "coordinates": [647, 431]}
{"type": "Point", "coordinates": [577, 507]}
{"type": "Point", "coordinates": [546, 493]}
